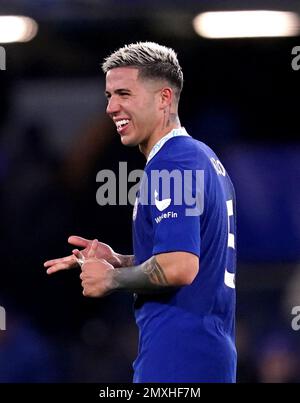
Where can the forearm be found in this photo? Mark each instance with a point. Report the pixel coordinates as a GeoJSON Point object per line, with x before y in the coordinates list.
{"type": "Point", "coordinates": [146, 277]}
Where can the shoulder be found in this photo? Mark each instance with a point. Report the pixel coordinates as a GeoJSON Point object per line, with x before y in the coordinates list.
{"type": "Point", "coordinates": [181, 152]}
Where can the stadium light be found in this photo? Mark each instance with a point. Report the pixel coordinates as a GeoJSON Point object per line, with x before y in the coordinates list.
{"type": "Point", "coordinates": [17, 29]}
{"type": "Point", "coordinates": [246, 24]}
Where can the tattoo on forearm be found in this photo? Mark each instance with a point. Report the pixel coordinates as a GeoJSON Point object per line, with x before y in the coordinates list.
{"type": "Point", "coordinates": [146, 277]}
{"type": "Point", "coordinates": [155, 272]}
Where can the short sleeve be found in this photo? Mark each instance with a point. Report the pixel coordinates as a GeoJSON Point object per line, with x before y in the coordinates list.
{"type": "Point", "coordinates": [176, 202]}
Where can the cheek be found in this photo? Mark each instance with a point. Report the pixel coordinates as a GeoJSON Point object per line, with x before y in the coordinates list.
{"type": "Point", "coordinates": [144, 113]}
{"type": "Point", "coordinates": [149, 111]}
{"type": "Point", "coordinates": [148, 104]}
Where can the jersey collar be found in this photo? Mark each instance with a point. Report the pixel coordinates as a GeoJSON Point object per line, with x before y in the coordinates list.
{"type": "Point", "coordinates": [173, 133]}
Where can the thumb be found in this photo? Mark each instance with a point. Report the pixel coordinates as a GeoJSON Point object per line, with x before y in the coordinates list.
{"type": "Point", "coordinates": [93, 249]}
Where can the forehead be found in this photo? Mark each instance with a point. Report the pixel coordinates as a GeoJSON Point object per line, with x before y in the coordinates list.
{"type": "Point", "coordinates": [121, 77]}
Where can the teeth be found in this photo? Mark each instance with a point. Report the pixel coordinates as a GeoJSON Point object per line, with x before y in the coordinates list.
{"type": "Point", "coordinates": [121, 123]}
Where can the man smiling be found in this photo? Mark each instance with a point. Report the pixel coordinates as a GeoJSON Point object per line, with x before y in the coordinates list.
{"type": "Point", "coordinates": [182, 270]}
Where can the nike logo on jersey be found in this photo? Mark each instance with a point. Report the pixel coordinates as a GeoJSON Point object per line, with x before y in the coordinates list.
{"type": "Point", "coordinates": [161, 205]}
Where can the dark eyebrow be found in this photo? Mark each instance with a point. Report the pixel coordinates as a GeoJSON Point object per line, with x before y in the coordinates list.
{"type": "Point", "coordinates": [118, 91]}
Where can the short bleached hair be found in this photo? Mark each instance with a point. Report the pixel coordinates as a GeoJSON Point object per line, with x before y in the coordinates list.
{"type": "Point", "coordinates": [153, 61]}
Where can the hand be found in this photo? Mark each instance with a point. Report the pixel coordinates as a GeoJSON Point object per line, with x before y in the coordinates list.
{"type": "Point", "coordinates": [103, 252]}
{"type": "Point", "coordinates": [97, 275]}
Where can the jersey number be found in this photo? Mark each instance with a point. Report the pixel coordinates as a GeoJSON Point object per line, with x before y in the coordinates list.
{"type": "Point", "coordinates": [229, 278]}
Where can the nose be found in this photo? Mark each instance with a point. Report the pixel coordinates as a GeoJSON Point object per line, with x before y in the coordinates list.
{"type": "Point", "coordinates": [113, 106]}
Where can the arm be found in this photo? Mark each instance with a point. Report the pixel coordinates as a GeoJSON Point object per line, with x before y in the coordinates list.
{"type": "Point", "coordinates": [158, 273]}
{"type": "Point", "coordinates": [164, 270]}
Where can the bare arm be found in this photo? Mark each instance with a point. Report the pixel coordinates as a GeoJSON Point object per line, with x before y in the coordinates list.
{"type": "Point", "coordinates": [165, 270]}
{"type": "Point", "coordinates": [145, 277]}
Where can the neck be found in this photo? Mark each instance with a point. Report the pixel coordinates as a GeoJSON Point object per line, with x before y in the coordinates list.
{"type": "Point", "coordinates": [171, 123]}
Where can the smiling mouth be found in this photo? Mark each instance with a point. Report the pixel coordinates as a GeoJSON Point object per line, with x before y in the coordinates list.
{"type": "Point", "coordinates": [121, 125]}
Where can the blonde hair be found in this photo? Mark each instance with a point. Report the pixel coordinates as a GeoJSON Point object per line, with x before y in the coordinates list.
{"type": "Point", "coordinates": [153, 61]}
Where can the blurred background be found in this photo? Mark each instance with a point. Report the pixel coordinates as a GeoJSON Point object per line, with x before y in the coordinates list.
{"type": "Point", "coordinates": [241, 97]}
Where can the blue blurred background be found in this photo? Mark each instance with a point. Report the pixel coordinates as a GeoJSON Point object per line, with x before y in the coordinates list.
{"type": "Point", "coordinates": [241, 97]}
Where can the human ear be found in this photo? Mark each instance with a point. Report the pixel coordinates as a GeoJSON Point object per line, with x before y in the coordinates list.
{"type": "Point", "coordinates": [166, 96]}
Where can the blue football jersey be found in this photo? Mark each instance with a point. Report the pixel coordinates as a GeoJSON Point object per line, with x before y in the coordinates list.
{"type": "Point", "coordinates": [186, 202]}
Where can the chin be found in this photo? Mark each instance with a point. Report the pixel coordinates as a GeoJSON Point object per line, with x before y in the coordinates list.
{"type": "Point", "coordinates": [126, 141]}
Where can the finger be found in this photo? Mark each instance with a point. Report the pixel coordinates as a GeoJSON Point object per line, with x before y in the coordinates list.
{"type": "Point", "coordinates": [57, 267]}
{"type": "Point", "coordinates": [52, 262]}
{"type": "Point", "coordinates": [78, 241]}
{"type": "Point", "coordinates": [93, 249]}
{"type": "Point", "coordinates": [83, 288]}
